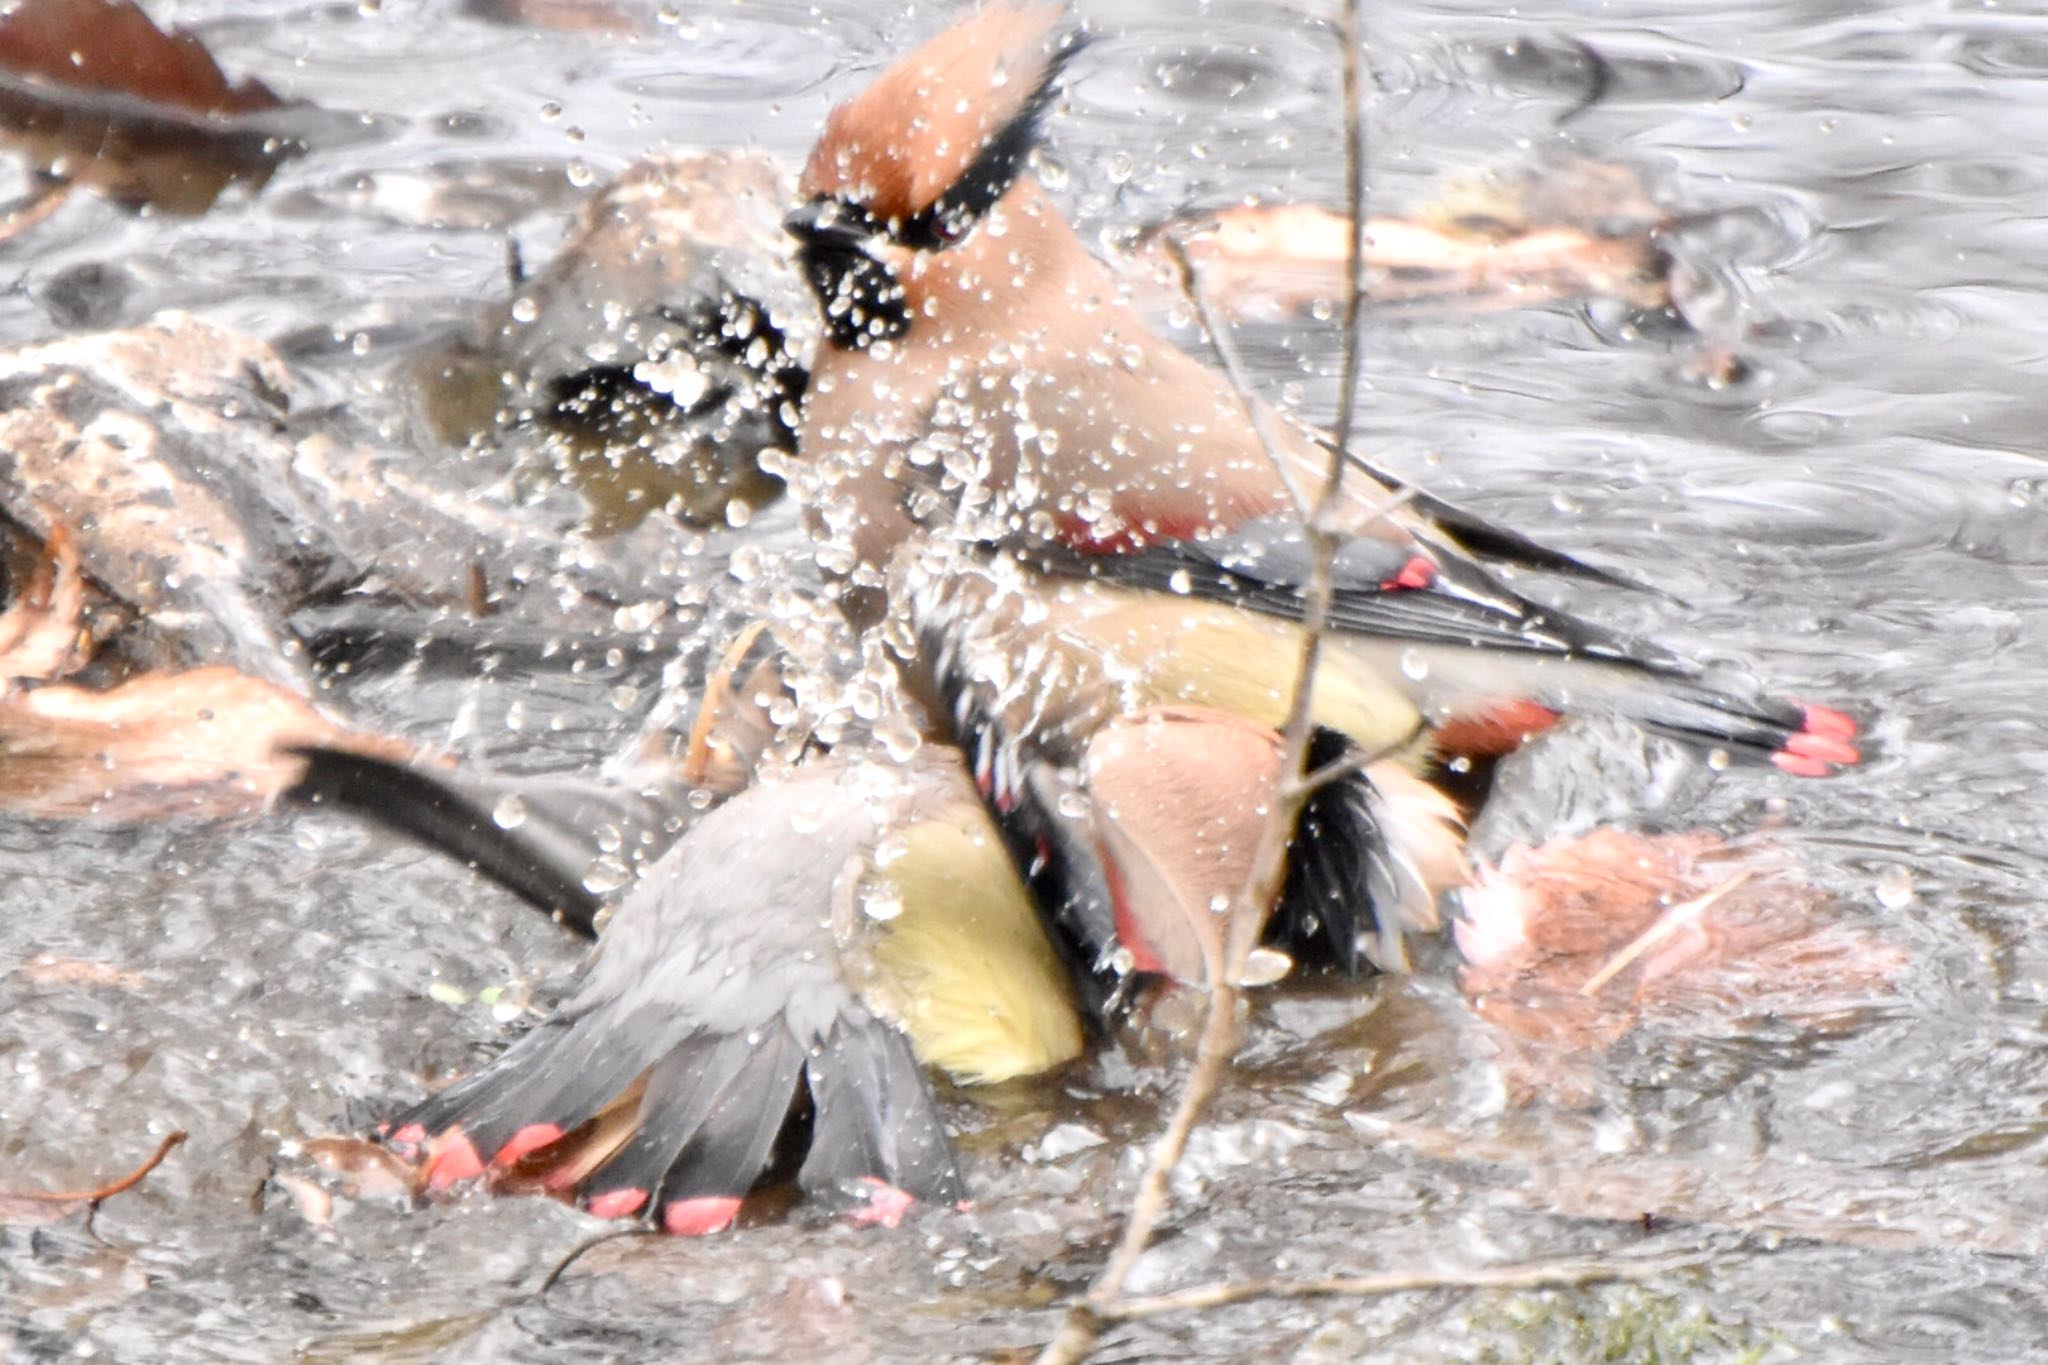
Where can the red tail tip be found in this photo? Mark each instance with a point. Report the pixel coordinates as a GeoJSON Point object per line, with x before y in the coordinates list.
{"type": "Point", "coordinates": [1826, 748]}
{"type": "Point", "coordinates": [701, 1216]}
{"type": "Point", "coordinates": [616, 1203]}
{"type": "Point", "coordinates": [405, 1140]}
{"type": "Point", "coordinates": [1418, 573]}
{"type": "Point", "coordinates": [1799, 765]}
{"type": "Point", "coordinates": [1822, 720]}
{"type": "Point", "coordinates": [531, 1138]}
{"type": "Point", "coordinates": [886, 1205]}
{"type": "Point", "coordinates": [455, 1160]}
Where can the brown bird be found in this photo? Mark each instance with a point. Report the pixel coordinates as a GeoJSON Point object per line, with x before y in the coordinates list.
{"type": "Point", "coordinates": [1128, 743]}
{"type": "Point", "coordinates": [981, 375]}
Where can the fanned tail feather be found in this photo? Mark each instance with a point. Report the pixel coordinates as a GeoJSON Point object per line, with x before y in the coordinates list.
{"type": "Point", "coordinates": [576, 1108]}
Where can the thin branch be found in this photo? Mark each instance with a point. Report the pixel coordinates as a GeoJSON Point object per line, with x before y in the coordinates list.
{"type": "Point", "coordinates": [108, 1191]}
{"type": "Point", "coordinates": [1253, 905]}
{"type": "Point", "coordinates": [583, 1248]}
{"type": "Point", "coordinates": [1554, 1275]}
{"type": "Point", "coordinates": [1668, 923]}
{"type": "Point", "coordinates": [1226, 351]}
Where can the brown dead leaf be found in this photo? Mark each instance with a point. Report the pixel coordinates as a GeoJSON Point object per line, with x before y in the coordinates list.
{"type": "Point", "coordinates": [42, 632]}
{"type": "Point", "coordinates": [96, 93]}
{"type": "Point", "coordinates": [1261, 259]}
{"type": "Point", "coordinates": [112, 47]}
{"type": "Point", "coordinates": [368, 1169]}
{"type": "Point", "coordinates": [206, 742]}
{"type": "Point", "coordinates": [600, 17]}
{"type": "Point", "coordinates": [1570, 946]}
{"type": "Point", "coordinates": [47, 969]}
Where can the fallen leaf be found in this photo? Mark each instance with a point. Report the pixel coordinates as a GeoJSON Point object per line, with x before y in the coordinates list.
{"type": "Point", "coordinates": [205, 742]}
{"type": "Point", "coordinates": [96, 93]}
{"type": "Point", "coordinates": [47, 969]}
{"type": "Point", "coordinates": [1570, 946]}
{"type": "Point", "coordinates": [368, 1169]}
{"type": "Point", "coordinates": [42, 632]}
{"type": "Point", "coordinates": [110, 46]}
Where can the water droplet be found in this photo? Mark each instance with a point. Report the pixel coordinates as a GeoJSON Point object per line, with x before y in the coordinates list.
{"type": "Point", "coordinates": [1414, 665]}
{"type": "Point", "coordinates": [882, 902]}
{"type": "Point", "coordinates": [1264, 967]}
{"type": "Point", "coordinates": [605, 876]}
{"type": "Point", "coordinates": [900, 739]}
{"type": "Point", "coordinates": [1895, 887]}
{"type": "Point", "coordinates": [510, 813]}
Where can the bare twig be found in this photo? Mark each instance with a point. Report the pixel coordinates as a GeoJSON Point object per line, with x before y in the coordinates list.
{"type": "Point", "coordinates": [1253, 905]}
{"type": "Point", "coordinates": [1553, 1275]}
{"type": "Point", "coordinates": [583, 1248]}
{"type": "Point", "coordinates": [1668, 923]}
{"type": "Point", "coordinates": [1226, 351]}
{"type": "Point", "coordinates": [107, 1191]}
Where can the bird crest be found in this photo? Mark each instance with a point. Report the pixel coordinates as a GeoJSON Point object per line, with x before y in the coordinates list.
{"type": "Point", "coordinates": [942, 133]}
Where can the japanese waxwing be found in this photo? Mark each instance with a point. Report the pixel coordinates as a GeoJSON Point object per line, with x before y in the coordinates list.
{"type": "Point", "coordinates": [981, 374]}
{"type": "Point", "coordinates": [807, 947]}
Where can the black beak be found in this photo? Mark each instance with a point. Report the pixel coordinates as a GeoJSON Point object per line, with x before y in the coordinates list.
{"type": "Point", "coordinates": [830, 226]}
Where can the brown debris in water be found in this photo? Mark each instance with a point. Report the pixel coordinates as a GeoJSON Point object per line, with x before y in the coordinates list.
{"type": "Point", "coordinates": [112, 47]}
{"type": "Point", "coordinates": [1570, 946]}
{"type": "Point", "coordinates": [1577, 230]}
{"type": "Point", "coordinates": [42, 631]}
{"type": "Point", "coordinates": [47, 1206]}
{"type": "Point", "coordinates": [206, 741]}
{"type": "Point", "coordinates": [95, 93]}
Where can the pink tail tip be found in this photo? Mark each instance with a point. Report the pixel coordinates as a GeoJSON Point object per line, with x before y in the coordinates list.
{"type": "Point", "coordinates": [1799, 765]}
{"type": "Point", "coordinates": [701, 1216]}
{"type": "Point", "coordinates": [886, 1205]}
{"type": "Point", "coordinates": [531, 1138]}
{"type": "Point", "coordinates": [1822, 720]}
{"type": "Point", "coordinates": [1826, 748]}
{"type": "Point", "coordinates": [404, 1140]}
{"type": "Point", "coordinates": [455, 1160]}
{"type": "Point", "coordinates": [616, 1203]}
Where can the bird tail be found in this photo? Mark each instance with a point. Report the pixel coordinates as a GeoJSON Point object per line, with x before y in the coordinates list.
{"type": "Point", "coordinates": [614, 1111]}
{"type": "Point", "coordinates": [1487, 702]}
{"type": "Point", "coordinates": [1372, 852]}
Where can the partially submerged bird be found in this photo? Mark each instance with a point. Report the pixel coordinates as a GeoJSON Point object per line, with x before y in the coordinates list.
{"type": "Point", "coordinates": [982, 378]}
{"type": "Point", "coordinates": [1092, 551]}
{"type": "Point", "coordinates": [1129, 744]}
{"type": "Point", "coordinates": [790, 965]}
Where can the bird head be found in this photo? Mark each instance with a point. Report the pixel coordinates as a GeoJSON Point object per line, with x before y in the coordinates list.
{"type": "Point", "coordinates": [912, 163]}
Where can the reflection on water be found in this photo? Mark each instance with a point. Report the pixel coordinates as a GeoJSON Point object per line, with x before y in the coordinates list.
{"type": "Point", "coordinates": [1856, 506]}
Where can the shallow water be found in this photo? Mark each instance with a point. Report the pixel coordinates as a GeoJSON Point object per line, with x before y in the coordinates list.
{"type": "Point", "coordinates": [1858, 516]}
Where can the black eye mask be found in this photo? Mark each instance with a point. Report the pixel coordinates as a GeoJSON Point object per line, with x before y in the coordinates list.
{"type": "Point", "coordinates": [861, 297]}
